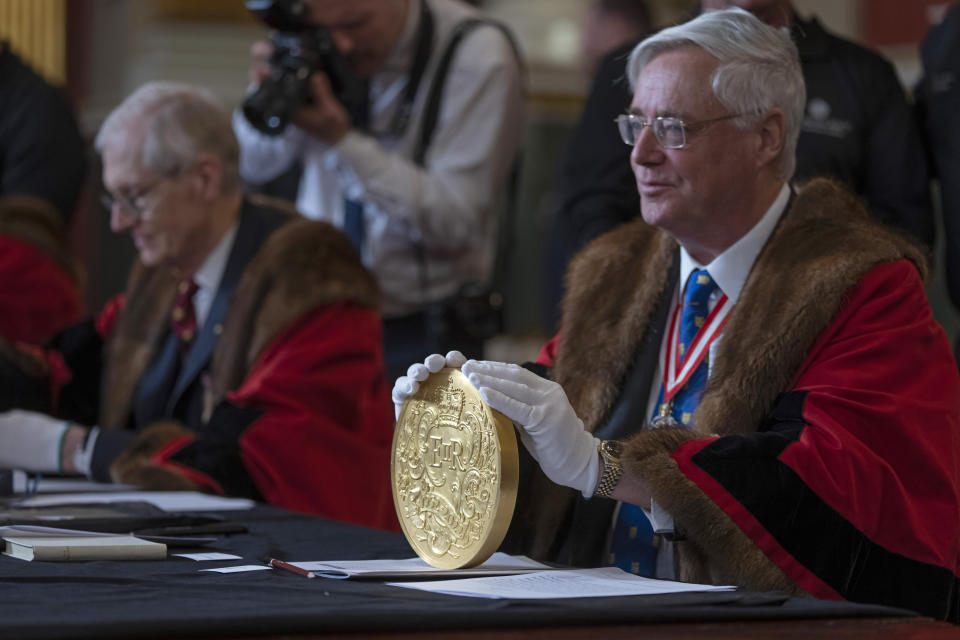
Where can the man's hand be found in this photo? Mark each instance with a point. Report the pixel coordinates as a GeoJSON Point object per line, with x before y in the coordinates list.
{"type": "Point", "coordinates": [407, 385]}
{"type": "Point", "coordinates": [551, 431]}
{"type": "Point", "coordinates": [326, 119]}
{"type": "Point", "coordinates": [31, 441]}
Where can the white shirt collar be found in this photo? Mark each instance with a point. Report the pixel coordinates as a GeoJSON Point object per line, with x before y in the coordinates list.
{"type": "Point", "coordinates": [210, 273]}
{"type": "Point", "coordinates": [731, 268]}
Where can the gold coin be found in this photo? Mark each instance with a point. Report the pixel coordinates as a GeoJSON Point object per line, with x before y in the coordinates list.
{"type": "Point", "coordinates": [454, 470]}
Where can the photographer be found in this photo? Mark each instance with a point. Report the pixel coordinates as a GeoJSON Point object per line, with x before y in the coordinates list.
{"type": "Point", "coordinates": [426, 226]}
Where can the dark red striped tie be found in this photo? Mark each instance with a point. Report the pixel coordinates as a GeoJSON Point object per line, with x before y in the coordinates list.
{"type": "Point", "coordinates": [184, 317]}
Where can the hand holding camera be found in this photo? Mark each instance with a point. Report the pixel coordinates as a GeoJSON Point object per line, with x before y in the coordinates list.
{"type": "Point", "coordinates": [305, 80]}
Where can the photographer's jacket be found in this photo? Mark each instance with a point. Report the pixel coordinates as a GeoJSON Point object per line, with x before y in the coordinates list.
{"type": "Point", "coordinates": [282, 396]}
{"type": "Point", "coordinates": [856, 115]}
{"type": "Point", "coordinates": [451, 204]}
{"type": "Point", "coordinates": [824, 453]}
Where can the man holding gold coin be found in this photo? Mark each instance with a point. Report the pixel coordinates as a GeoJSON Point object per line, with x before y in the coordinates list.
{"type": "Point", "coordinates": [752, 373]}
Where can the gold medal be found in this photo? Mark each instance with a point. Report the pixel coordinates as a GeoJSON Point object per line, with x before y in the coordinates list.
{"type": "Point", "coordinates": [454, 471]}
{"type": "Point", "coordinates": [664, 417]}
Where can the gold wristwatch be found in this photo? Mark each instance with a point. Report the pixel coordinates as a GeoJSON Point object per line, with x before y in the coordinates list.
{"type": "Point", "coordinates": [610, 451]}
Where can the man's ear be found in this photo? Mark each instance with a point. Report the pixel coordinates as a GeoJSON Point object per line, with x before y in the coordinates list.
{"type": "Point", "coordinates": [208, 176]}
{"type": "Point", "coordinates": [772, 137]}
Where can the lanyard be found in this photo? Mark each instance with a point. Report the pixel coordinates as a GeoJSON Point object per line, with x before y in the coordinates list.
{"type": "Point", "coordinates": [677, 372]}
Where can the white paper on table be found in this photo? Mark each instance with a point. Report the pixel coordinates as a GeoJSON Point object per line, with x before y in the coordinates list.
{"type": "Point", "coordinates": [206, 556]}
{"type": "Point", "coordinates": [497, 564]}
{"type": "Point", "coordinates": [166, 500]}
{"type": "Point", "coordinates": [572, 583]}
{"type": "Point", "coordinates": [245, 567]}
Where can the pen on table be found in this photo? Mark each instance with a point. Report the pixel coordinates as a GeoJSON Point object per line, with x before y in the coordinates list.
{"type": "Point", "coordinates": [280, 564]}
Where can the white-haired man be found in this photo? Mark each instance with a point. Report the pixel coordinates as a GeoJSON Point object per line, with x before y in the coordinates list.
{"type": "Point", "coordinates": [245, 356]}
{"type": "Point", "coordinates": [782, 406]}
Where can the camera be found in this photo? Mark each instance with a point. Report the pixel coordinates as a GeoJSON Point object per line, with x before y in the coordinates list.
{"type": "Point", "coordinates": [299, 50]}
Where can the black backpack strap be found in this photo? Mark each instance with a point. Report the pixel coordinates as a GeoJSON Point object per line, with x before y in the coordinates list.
{"type": "Point", "coordinates": [431, 109]}
{"type": "Point", "coordinates": [436, 313]}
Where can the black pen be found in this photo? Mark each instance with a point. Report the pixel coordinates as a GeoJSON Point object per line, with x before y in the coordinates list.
{"type": "Point", "coordinates": [280, 564]}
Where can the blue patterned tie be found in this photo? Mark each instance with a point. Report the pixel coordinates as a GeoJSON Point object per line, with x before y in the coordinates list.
{"type": "Point", "coordinates": [633, 545]}
{"type": "Point", "coordinates": [353, 223]}
{"type": "Point", "coordinates": [700, 286]}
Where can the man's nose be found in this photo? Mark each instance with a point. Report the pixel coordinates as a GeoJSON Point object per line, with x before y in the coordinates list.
{"type": "Point", "coordinates": [646, 149]}
{"type": "Point", "coordinates": [120, 220]}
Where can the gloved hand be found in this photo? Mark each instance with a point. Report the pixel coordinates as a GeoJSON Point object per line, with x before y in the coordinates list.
{"type": "Point", "coordinates": [551, 431]}
{"type": "Point", "coordinates": [30, 441]}
{"type": "Point", "coordinates": [407, 385]}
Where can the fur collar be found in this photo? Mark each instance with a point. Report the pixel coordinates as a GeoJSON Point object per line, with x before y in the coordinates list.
{"type": "Point", "coordinates": [821, 248]}
{"type": "Point", "coordinates": [300, 267]}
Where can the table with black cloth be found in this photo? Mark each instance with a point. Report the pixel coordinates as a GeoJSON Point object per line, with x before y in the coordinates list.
{"type": "Point", "coordinates": [175, 599]}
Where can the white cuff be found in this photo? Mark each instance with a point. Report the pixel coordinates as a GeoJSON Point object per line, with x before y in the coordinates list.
{"type": "Point", "coordinates": [84, 454]}
{"type": "Point", "coordinates": [31, 441]}
{"type": "Point", "coordinates": [660, 520]}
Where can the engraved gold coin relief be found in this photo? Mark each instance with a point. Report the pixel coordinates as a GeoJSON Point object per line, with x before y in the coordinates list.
{"type": "Point", "coordinates": [454, 471]}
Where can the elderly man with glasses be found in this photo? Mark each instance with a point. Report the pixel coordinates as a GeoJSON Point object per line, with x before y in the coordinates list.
{"type": "Point", "coordinates": [245, 356]}
{"type": "Point", "coordinates": [752, 374]}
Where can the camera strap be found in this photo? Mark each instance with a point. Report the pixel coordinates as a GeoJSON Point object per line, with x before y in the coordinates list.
{"type": "Point", "coordinates": [431, 114]}
{"type": "Point", "coordinates": [421, 58]}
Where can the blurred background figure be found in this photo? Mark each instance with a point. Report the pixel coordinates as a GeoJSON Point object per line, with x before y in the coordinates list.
{"type": "Point", "coordinates": [938, 105]}
{"type": "Point", "coordinates": [595, 189]}
{"type": "Point", "coordinates": [417, 188]}
{"type": "Point", "coordinates": [610, 24]}
{"type": "Point", "coordinates": [856, 113]}
{"type": "Point", "coordinates": [39, 282]}
{"type": "Point", "coordinates": [41, 150]}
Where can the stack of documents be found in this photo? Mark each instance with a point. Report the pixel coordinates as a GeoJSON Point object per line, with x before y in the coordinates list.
{"type": "Point", "coordinates": [503, 576]}
{"type": "Point", "coordinates": [559, 583]}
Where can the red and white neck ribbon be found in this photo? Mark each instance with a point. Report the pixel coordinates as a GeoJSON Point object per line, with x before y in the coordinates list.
{"type": "Point", "coordinates": [676, 372]}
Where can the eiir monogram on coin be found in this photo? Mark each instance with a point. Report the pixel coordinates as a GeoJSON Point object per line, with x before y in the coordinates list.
{"type": "Point", "coordinates": [447, 473]}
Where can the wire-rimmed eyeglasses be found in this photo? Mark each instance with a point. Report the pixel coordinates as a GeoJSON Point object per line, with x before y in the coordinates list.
{"type": "Point", "coordinates": [671, 132]}
{"type": "Point", "coordinates": [133, 206]}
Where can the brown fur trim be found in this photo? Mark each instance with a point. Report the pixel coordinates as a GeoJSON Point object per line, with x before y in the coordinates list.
{"type": "Point", "coordinates": [36, 222]}
{"type": "Point", "coordinates": [595, 356]}
{"type": "Point", "coordinates": [822, 248]}
{"type": "Point", "coordinates": [150, 296]}
{"type": "Point", "coordinates": [135, 467]}
{"type": "Point", "coordinates": [303, 266]}
{"type": "Point", "coordinates": [800, 281]}
{"type": "Point", "coordinates": [708, 528]}
{"type": "Point", "coordinates": [609, 291]}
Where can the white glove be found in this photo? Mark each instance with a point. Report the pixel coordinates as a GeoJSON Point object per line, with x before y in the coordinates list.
{"type": "Point", "coordinates": [407, 385]}
{"type": "Point", "coordinates": [551, 431]}
{"type": "Point", "coordinates": [30, 441]}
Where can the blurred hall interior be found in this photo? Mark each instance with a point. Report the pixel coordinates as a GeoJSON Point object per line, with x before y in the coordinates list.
{"type": "Point", "coordinates": [100, 50]}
